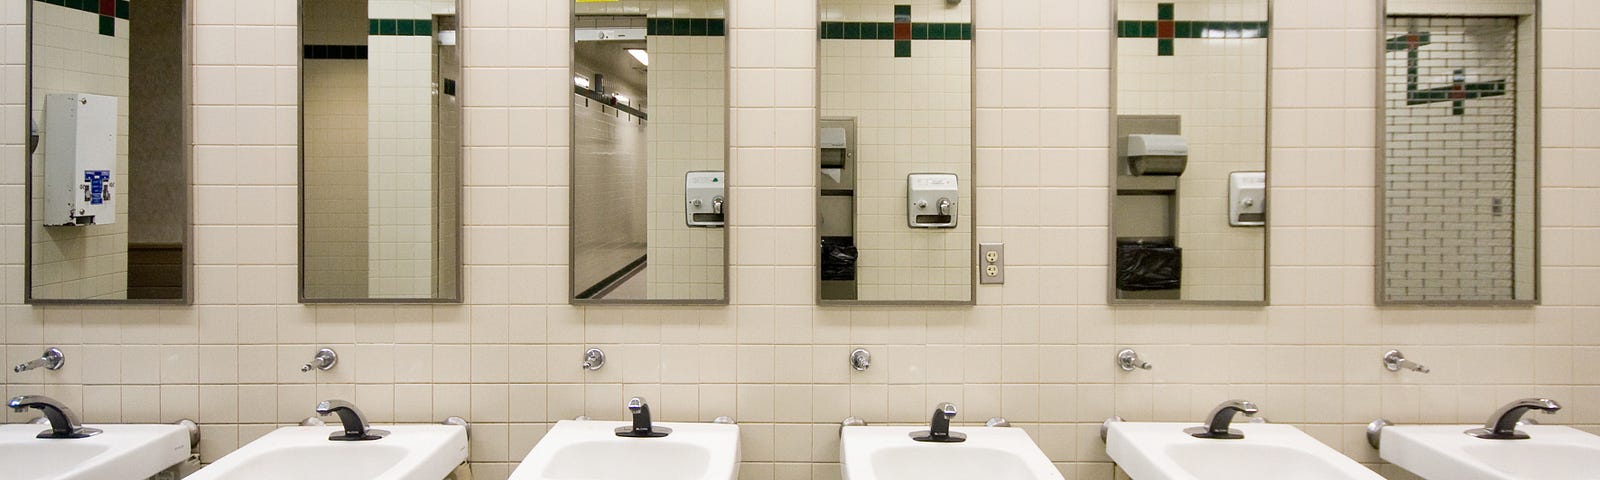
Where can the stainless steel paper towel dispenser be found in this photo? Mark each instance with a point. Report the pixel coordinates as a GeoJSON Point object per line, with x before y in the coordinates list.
{"type": "Point", "coordinates": [1150, 154]}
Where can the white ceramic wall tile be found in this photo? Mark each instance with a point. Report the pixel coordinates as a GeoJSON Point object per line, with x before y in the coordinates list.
{"type": "Point", "coordinates": [510, 358]}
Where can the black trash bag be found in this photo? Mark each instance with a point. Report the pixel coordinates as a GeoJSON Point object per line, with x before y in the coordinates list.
{"type": "Point", "coordinates": [1149, 266]}
{"type": "Point", "coordinates": [838, 260]}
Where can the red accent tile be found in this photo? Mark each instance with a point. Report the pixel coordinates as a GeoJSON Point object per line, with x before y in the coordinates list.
{"type": "Point", "coordinates": [902, 31]}
{"type": "Point", "coordinates": [1166, 29]}
{"type": "Point", "coordinates": [108, 7]}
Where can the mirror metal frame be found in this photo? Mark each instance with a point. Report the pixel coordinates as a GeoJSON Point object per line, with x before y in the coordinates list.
{"type": "Point", "coordinates": [186, 83]}
{"type": "Point", "coordinates": [1111, 187]}
{"type": "Point", "coordinates": [453, 297]}
{"type": "Point", "coordinates": [971, 204]}
{"type": "Point", "coordinates": [1382, 159]}
{"type": "Point", "coordinates": [731, 193]}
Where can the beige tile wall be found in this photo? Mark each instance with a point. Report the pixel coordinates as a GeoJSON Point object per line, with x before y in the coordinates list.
{"type": "Point", "coordinates": [1037, 350]}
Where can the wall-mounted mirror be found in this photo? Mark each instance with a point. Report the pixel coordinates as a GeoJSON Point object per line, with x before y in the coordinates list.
{"type": "Point", "coordinates": [894, 158]}
{"type": "Point", "coordinates": [380, 155]}
{"type": "Point", "coordinates": [1189, 204]}
{"type": "Point", "coordinates": [1458, 194]}
{"type": "Point", "coordinates": [109, 152]}
{"type": "Point", "coordinates": [649, 153]}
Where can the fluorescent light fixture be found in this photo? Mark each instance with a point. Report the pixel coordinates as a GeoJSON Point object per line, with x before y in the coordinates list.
{"type": "Point", "coordinates": [639, 54]}
{"type": "Point", "coordinates": [620, 98]}
{"type": "Point", "coordinates": [447, 38]}
{"type": "Point", "coordinates": [580, 81]}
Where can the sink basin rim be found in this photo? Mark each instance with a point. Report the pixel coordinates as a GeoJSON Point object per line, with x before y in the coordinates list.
{"type": "Point", "coordinates": [719, 441]}
{"type": "Point", "coordinates": [127, 448]}
{"type": "Point", "coordinates": [1442, 451]}
{"type": "Point", "coordinates": [432, 451]}
{"type": "Point", "coordinates": [1142, 449]}
{"type": "Point", "coordinates": [859, 445]}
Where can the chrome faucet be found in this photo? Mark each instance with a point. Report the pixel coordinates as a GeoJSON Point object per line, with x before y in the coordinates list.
{"type": "Point", "coordinates": [63, 422]}
{"type": "Point", "coordinates": [642, 428]}
{"type": "Point", "coordinates": [939, 428]}
{"type": "Point", "coordinates": [355, 424]}
{"type": "Point", "coordinates": [1221, 417]}
{"type": "Point", "coordinates": [1502, 425]}
{"type": "Point", "coordinates": [944, 206]}
{"type": "Point", "coordinates": [716, 205]}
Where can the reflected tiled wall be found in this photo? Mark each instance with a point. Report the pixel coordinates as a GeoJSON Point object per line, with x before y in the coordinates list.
{"type": "Point", "coordinates": [72, 46]}
{"type": "Point", "coordinates": [1218, 88]}
{"type": "Point", "coordinates": [912, 103]}
{"type": "Point", "coordinates": [1036, 350]}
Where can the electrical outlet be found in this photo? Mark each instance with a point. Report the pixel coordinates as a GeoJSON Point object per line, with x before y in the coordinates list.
{"type": "Point", "coordinates": [992, 257]}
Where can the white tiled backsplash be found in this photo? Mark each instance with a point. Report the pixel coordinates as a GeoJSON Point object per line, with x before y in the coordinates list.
{"type": "Point", "coordinates": [1037, 350]}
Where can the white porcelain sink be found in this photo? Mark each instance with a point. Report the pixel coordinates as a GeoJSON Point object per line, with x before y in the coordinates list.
{"type": "Point", "coordinates": [121, 452]}
{"type": "Point", "coordinates": [1443, 452]}
{"type": "Point", "coordinates": [889, 453]}
{"type": "Point", "coordinates": [1162, 451]}
{"type": "Point", "coordinates": [409, 452]}
{"type": "Point", "coordinates": [590, 450]}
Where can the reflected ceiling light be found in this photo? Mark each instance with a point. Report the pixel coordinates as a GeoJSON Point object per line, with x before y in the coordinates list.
{"type": "Point", "coordinates": [639, 54]}
{"type": "Point", "coordinates": [620, 98]}
{"type": "Point", "coordinates": [580, 81]}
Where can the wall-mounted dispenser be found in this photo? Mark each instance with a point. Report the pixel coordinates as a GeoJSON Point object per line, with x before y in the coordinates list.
{"type": "Point", "coordinates": [1150, 154]}
{"type": "Point", "coordinates": [707, 198]}
{"type": "Point", "coordinates": [836, 219]}
{"type": "Point", "coordinates": [931, 200]}
{"type": "Point", "coordinates": [80, 159]}
{"type": "Point", "coordinates": [1247, 199]}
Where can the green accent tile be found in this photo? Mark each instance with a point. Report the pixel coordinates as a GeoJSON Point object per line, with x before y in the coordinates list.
{"type": "Point", "coordinates": [373, 26]}
{"type": "Point", "coordinates": [885, 30]}
{"type": "Point", "coordinates": [697, 27]}
{"type": "Point", "coordinates": [902, 11]}
{"type": "Point", "coordinates": [108, 25]}
{"type": "Point", "coordinates": [681, 26]}
{"type": "Point", "coordinates": [833, 30]}
{"type": "Point", "coordinates": [650, 27]}
{"type": "Point", "coordinates": [404, 27]}
{"type": "Point", "coordinates": [1147, 29]}
{"type": "Point", "coordinates": [1164, 47]}
{"type": "Point", "coordinates": [919, 31]}
{"type": "Point", "coordinates": [1164, 11]}
{"type": "Point", "coordinates": [902, 48]}
{"type": "Point", "coordinates": [388, 26]}
{"type": "Point", "coordinates": [122, 9]}
{"type": "Point", "coordinates": [966, 31]}
{"type": "Point", "coordinates": [717, 27]}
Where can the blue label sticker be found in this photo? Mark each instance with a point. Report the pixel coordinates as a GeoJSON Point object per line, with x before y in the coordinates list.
{"type": "Point", "coordinates": [97, 180]}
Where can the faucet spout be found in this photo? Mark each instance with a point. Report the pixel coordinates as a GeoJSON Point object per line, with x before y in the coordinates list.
{"type": "Point", "coordinates": [63, 421]}
{"type": "Point", "coordinates": [939, 427]}
{"type": "Point", "coordinates": [1502, 425]}
{"type": "Point", "coordinates": [642, 427]}
{"type": "Point", "coordinates": [355, 424]}
{"type": "Point", "coordinates": [1221, 418]}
